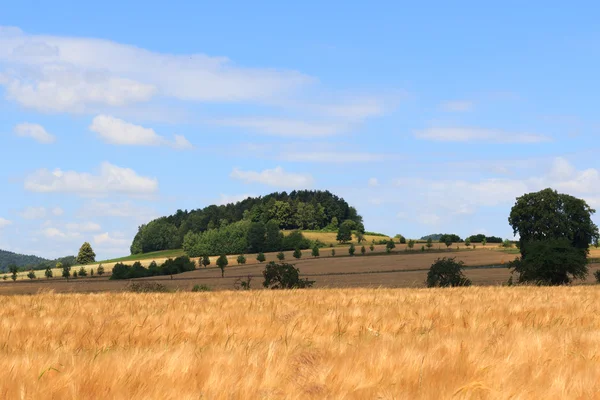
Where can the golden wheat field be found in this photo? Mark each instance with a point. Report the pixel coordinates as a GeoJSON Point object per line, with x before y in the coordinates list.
{"type": "Point", "coordinates": [467, 343]}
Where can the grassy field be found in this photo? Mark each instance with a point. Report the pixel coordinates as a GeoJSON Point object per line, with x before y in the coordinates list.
{"type": "Point", "coordinates": [330, 237]}
{"type": "Point", "coordinates": [467, 343]}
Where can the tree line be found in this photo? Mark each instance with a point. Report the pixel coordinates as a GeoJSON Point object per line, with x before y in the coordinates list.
{"type": "Point", "coordinates": [304, 209]}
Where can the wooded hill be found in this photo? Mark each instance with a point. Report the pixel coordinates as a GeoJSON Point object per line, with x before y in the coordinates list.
{"type": "Point", "coordinates": [25, 262]}
{"type": "Point", "coordinates": [304, 209]}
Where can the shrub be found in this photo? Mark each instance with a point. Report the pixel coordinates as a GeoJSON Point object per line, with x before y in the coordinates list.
{"type": "Point", "coordinates": [206, 261]}
{"type": "Point", "coordinates": [297, 253]}
{"type": "Point", "coordinates": [332, 252]}
{"type": "Point", "coordinates": [446, 272]}
{"type": "Point", "coordinates": [4, 277]}
{"type": "Point", "coordinates": [261, 257]}
{"type": "Point", "coordinates": [351, 249]}
{"type": "Point", "coordinates": [241, 260]}
{"type": "Point", "coordinates": [422, 248]}
{"type": "Point", "coordinates": [363, 250]}
{"type": "Point", "coordinates": [31, 275]}
{"type": "Point", "coordinates": [100, 270]}
{"type": "Point", "coordinates": [597, 276]}
{"type": "Point", "coordinates": [147, 287]}
{"type": "Point", "coordinates": [429, 243]}
{"type": "Point", "coordinates": [240, 284]}
{"type": "Point", "coordinates": [92, 272]}
{"type": "Point", "coordinates": [82, 272]}
{"type": "Point", "coordinates": [74, 274]}
{"type": "Point", "coordinates": [411, 244]}
{"type": "Point", "coordinates": [200, 288]}
{"type": "Point", "coordinates": [390, 245]}
{"type": "Point", "coordinates": [372, 247]}
{"type": "Point", "coordinates": [468, 242]}
{"type": "Point", "coordinates": [48, 273]}
{"type": "Point", "coordinates": [296, 240]}
{"type": "Point", "coordinates": [284, 276]}
{"type": "Point", "coordinates": [281, 256]}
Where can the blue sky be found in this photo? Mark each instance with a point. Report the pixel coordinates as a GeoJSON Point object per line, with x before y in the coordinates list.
{"type": "Point", "coordinates": [427, 118]}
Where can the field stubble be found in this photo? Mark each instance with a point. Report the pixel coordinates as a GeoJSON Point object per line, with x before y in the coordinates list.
{"type": "Point", "coordinates": [478, 342]}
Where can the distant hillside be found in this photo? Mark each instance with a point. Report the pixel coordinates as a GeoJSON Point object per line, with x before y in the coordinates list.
{"type": "Point", "coordinates": [304, 209]}
{"type": "Point", "coordinates": [27, 261]}
{"type": "Point", "coordinates": [434, 236]}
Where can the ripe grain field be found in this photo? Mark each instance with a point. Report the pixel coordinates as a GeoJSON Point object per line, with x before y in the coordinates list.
{"type": "Point", "coordinates": [468, 343]}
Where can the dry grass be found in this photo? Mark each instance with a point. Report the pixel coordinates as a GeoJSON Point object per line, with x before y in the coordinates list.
{"type": "Point", "coordinates": [469, 343]}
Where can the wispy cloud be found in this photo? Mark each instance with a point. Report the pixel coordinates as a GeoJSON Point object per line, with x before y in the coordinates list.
{"type": "Point", "coordinates": [478, 135]}
{"type": "Point", "coordinates": [111, 179]}
{"type": "Point", "coordinates": [274, 177]}
{"type": "Point", "coordinates": [34, 131]}
{"type": "Point", "coordinates": [457, 106]}
{"type": "Point", "coordinates": [118, 132]}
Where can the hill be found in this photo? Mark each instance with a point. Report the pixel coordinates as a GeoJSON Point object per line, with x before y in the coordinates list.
{"type": "Point", "coordinates": [304, 209]}
{"type": "Point", "coordinates": [433, 236]}
{"type": "Point", "coordinates": [20, 260]}
{"type": "Point", "coordinates": [29, 261]}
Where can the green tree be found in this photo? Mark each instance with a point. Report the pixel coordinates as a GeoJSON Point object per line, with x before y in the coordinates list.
{"type": "Point", "coordinates": [206, 261]}
{"type": "Point", "coordinates": [345, 232]}
{"type": "Point", "coordinates": [372, 247]}
{"type": "Point", "coordinates": [555, 232]}
{"type": "Point", "coordinates": [297, 253]}
{"type": "Point", "coordinates": [484, 241]}
{"type": "Point", "coordinates": [66, 270]}
{"type": "Point", "coordinates": [92, 272]}
{"type": "Point", "coordinates": [281, 256]}
{"type": "Point", "coordinates": [74, 274]}
{"type": "Point", "coordinates": [48, 273]}
{"type": "Point", "coordinates": [429, 243]}
{"type": "Point", "coordinates": [351, 249]}
{"type": "Point", "coordinates": [86, 254]}
{"type": "Point", "coordinates": [284, 276]}
{"type": "Point", "coordinates": [446, 272]}
{"type": "Point", "coordinates": [261, 257]}
{"type": "Point", "coordinates": [448, 243]}
{"type": "Point", "coordinates": [100, 270]}
{"type": "Point", "coordinates": [82, 272]}
{"type": "Point", "coordinates": [222, 262]}
{"type": "Point", "coordinates": [31, 275]}
{"type": "Point", "coordinates": [241, 260]}
{"type": "Point", "coordinates": [468, 242]}
{"type": "Point", "coordinates": [363, 250]}
{"type": "Point", "coordinates": [411, 244]}
{"type": "Point", "coordinates": [551, 262]}
{"type": "Point", "coordinates": [390, 245]}
{"type": "Point", "coordinates": [257, 237]}
{"type": "Point", "coordinates": [360, 237]}
{"type": "Point", "coordinates": [315, 251]}
{"type": "Point", "coordinates": [274, 237]}
{"type": "Point", "coordinates": [332, 252]}
{"type": "Point", "coordinates": [13, 270]}
{"type": "Point", "coordinates": [547, 215]}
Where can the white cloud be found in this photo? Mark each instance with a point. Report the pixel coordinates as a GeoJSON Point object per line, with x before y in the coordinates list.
{"type": "Point", "coordinates": [373, 182]}
{"type": "Point", "coordinates": [285, 127]}
{"type": "Point", "coordinates": [429, 218]}
{"type": "Point", "coordinates": [57, 211]}
{"type": "Point", "coordinates": [116, 131]}
{"type": "Point", "coordinates": [111, 179]}
{"type": "Point", "coordinates": [34, 131]}
{"type": "Point", "coordinates": [84, 227]}
{"type": "Point", "coordinates": [457, 106]}
{"type": "Point", "coordinates": [333, 157]}
{"type": "Point", "coordinates": [33, 213]}
{"type": "Point", "coordinates": [58, 73]}
{"type": "Point", "coordinates": [274, 177]}
{"type": "Point", "coordinates": [478, 135]}
{"type": "Point", "coordinates": [228, 199]}
{"type": "Point", "coordinates": [4, 222]}
{"type": "Point", "coordinates": [62, 234]}
{"type": "Point", "coordinates": [116, 239]}
{"type": "Point", "coordinates": [125, 209]}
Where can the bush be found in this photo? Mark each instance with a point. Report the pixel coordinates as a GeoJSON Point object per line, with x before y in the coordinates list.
{"type": "Point", "coordinates": [284, 276]}
{"type": "Point", "coordinates": [315, 251]}
{"type": "Point", "coordinates": [147, 287]}
{"type": "Point", "coordinates": [261, 257]}
{"type": "Point", "coordinates": [100, 270]}
{"type": "Point", "coordinates": [372, 247]}
{"type": "Point", "coordinates": [507, 244]}
{"type": "Point", "coordinates": [201, 288]}
{"type": "Point", "coordinates": [31, 275]}
{"type": "Point", "coordinates": [597, 276]}
{"type": "Point", "coordinates": [82, 272]}
{"type": "Point", "coordinates": [446, 272]}
{"type": "Point", "coordinates": [351, 249]}
{"type": "Point", "coordinates": [281, 256]}
{"type": "Point", "coordinates": [390, 245]}
{"type": "Point", "coordinates": [241, 260]}
{"type": "Point", "coordinates": [205, 261]}
{"type": "Point", "coordinates": [296, 240]}
{"type": "Point", "coordinates": [240, 284]}
{"type": "Point", "coordinates": [363, 250]}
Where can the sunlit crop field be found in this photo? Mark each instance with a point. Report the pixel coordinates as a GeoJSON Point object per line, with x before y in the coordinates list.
{"type": "Point", "coordinates": [492, 342]}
